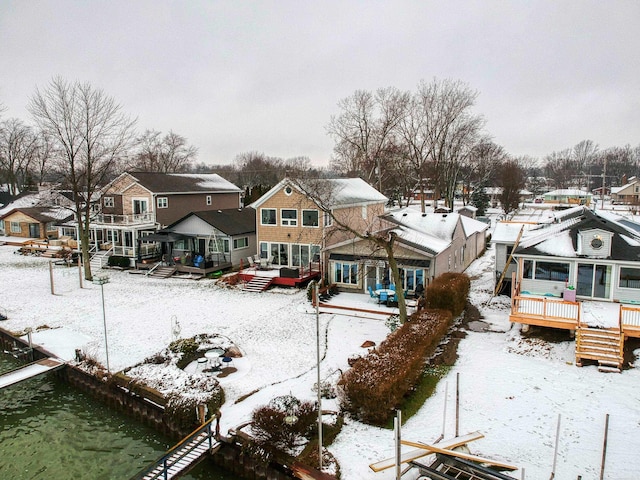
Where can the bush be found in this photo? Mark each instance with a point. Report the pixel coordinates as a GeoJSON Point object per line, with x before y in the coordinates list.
{"type": "Point", "coordinates": [283, 425]}
{"type": "Point", "coordinates": [449, 292]}
{"type": "Point", "coordinates": [376, 384]}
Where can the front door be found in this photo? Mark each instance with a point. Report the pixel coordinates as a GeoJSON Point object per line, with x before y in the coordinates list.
{"type": "Point", "coordinates": [34, 230]}
{"type": "Point", "coordinates": [594, 280]}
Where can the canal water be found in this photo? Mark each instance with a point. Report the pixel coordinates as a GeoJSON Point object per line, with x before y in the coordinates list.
{"type": "Point", "coordinates": [49, 430]}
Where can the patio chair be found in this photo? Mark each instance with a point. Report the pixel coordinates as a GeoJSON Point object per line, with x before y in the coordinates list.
{"type": "Point", "coordinates": [392, 286]}
{"type": "Point", "coordinates": [371, 294]}
{"type": "Point", "coordinates": [252, 264]}
{"type": "Point", "coordinates": [378, 286]}
{"type": "Point", "coordinates": [384, 296]}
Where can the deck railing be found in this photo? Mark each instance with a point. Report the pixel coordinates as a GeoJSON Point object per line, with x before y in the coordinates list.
{"type": "Point", "coordinates": [629, 316]}
{"type": "Point", "coordinates": [546, 308]}
{"type": "Point", "coordinates": [140, 218]}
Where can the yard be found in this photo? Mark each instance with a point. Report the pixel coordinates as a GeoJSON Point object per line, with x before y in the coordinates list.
{"type": "Point", "coordinates": [513, 388]}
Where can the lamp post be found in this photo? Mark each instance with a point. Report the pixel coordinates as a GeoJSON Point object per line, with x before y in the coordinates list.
{"type": "Point", "coordinates": [317, 295]}
{"type": "Point", "coordinates": [101, 281]}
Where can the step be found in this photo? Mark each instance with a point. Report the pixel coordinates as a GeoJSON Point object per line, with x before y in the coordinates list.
{"type": "Point", "coordinates": [607, 369]}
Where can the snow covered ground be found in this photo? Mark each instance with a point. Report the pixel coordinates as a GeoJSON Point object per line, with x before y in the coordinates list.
{"type": "Point", "coordinates": [513, 389]}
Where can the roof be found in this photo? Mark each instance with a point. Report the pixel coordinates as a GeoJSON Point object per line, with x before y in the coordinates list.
{"type": "Point", "coordinates": [231, 221]}
{"type": "Point", "coordinates": [567, 192]}
{"type": "Point", "coordinates": [42, 214]}
{"type": "Point", "coordinates": [184, 182]}
{"type": "Point", "coordinates": [330, 192]}
{"type": "Point", "coordinates": [560, 239]}
{"type": "Point", "coordinates": [432, 232]}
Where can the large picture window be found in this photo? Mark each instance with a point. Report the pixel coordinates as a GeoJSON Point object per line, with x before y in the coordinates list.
{"type": "Point", "coordinates": [268, 216]}
{"type": "Point", "coordinates": [556, 272]}
{"type": "Point", "coordinates": [629, 277]}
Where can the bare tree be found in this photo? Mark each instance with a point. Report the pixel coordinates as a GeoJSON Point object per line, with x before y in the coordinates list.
{"type": "Point", "coordinates": [439, 130]}
{"type": "Point", "coordinates": [482, 165]}
{"type": "Point", "coordinates": [363, 131]}
{"type": "Point", "coordinates": [512, 182]}
{"type": "Point", "coordinates": [165, 154]}
{"type": "Point", "coordinates": [18, 148]}
{"type": "Point", "coordinates": [91, 134]}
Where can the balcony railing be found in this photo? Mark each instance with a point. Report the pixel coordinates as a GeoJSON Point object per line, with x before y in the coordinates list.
{"type": "Point", "coordinates": [136, 219]}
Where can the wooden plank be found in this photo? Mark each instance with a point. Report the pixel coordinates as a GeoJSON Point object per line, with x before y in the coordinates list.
{"type": "Point", "coordinates": [466, 456]}
{"type": "Point", "coordinates": [419, 453]}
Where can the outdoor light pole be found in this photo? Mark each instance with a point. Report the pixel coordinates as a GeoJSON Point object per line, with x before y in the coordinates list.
{"type": "Point", "coordinates": [101, 281]}
{"type": "Point", "coordinates": [318, 364]}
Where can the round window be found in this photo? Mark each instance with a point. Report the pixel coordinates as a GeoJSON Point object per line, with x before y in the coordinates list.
{"type": "Point", "coordinates": [288, 190]}
{"type": "Point", "coordinates": [596, 243]}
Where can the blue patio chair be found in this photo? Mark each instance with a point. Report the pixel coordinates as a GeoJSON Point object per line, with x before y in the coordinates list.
{"type": "Point", "coordinates": [378, 286]}
{"type": "Point", "coordinates": [383, 297]}
{"type": "Point", "coordinates": [373, 295]}
{"type": "Point", "coordinates": [392, 287]}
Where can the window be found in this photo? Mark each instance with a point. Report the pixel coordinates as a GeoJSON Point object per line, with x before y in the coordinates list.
{"type": "Point", "coordinates": [528, 269]}
{"type": "Point", "coordinates": [163, 202]}
{"type": "Point", "coordinates": [629, 277]}
{"type": "Point", "coordinates": [288, 190]}
{"type": "Point", "coordinates": [268, 216]}
{"type": "Point", "coordinates": [346, 273]}
{"type": "Point", "coordinates": [309, 218]}
{"type": "Point", "coordinates": [364, 212]}
{"type": "Point", "coordinates": [289, 217]}
{"type": "Point", "coordinates": [15, 227]}
{"type": "Point", "coordinates": [208, 199]}
{"type": "Point", "coordinates": [108, 202]}
{"type": "Point", "coordinates": [2, 225]}
{"type": "Point", "coordinates": [328, 219]}
{"type": "Point", "coordinates": [556, 272]}
{"type": "Point", "coordinates": [239, 243]}
{"type": "Point", "coordinates": [112, 236]}
{"type": "Point", "coordinates": [299, 255]}
{"type": "Point", "coordinates": [219, 245]}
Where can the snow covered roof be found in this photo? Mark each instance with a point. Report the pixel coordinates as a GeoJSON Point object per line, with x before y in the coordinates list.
{"type": "Point", "coordinates": [331, 192]}
{"type": "Point", "coordinates": [567, 192]}
{"type": "Point", "coordinates": [184, 182]}
{"type": "Point", "coordinates": [560, 239]}
{"type": "Point", "coordinates": [23, 201]}
{"type": "Point", "coordinates": [43, 214]}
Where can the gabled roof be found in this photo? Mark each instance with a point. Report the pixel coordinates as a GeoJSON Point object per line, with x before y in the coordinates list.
{"type": "Point", "coordinates": [42, 214]}
{"type": "Point", "coordinates": [632, 181]}
{"type": "Point", "coordinates": [172, 183]}
{"type": "Point", "coordinates": [231, 221]}
{"type": "Point", "coordinates": [332, 192]}
{"type": "Point", "coordinates": [561, 239]}
{"type": "Point", "coordinates": [433, 232]}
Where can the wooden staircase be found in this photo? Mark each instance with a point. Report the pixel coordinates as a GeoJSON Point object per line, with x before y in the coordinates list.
{"type": "Point", "coordinates": [258, 284]}
{"type": "Point", "coordinates": [162, 272]}
{"type": "Point", "coordinates": [606, 346]}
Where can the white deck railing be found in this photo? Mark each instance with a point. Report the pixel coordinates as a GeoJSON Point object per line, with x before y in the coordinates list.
{"type": "Point", "coordinates": [545, 307]}
{"type": "Point", "coordinates": [629, 316]}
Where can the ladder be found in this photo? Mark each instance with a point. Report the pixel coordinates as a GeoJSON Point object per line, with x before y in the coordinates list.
{"type": "Point", "coordinates": [507, 264]}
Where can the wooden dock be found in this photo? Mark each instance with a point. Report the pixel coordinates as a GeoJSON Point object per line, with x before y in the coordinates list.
{"type": "Point", "coordinates": [29, 371]}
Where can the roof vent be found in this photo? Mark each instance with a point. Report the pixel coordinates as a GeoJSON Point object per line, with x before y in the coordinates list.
{"type": "Point", "coordinates": [219, 211]}
{"type": "Point", "coordinates": [404, 214]}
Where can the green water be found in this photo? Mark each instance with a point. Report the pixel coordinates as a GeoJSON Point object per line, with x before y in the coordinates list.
{"type": "Point", "coordinates": [49, 430]}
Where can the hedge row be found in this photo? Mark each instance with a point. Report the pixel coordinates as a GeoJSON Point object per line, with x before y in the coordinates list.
{"type": "Point", "coordinates": [449, 292]}
{"type": "Point", "coordinates": [376, 384]}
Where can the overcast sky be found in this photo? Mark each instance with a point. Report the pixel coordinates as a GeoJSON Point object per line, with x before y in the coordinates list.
{"type": "Point", "coordinates": [239, 76]}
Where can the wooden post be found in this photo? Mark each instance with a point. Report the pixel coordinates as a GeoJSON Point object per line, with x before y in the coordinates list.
{"type": "Point", "coordinates": [457, 402]}
{"type": "Point", "coordinates": [80, 269]}
{"type": "Point", "coordinates": [555, 450]}
{"type": "Point", "coordinates": [51, 277]}
{"type": "Point", "coordinates": [397, 428]}
{"type": "Point", "coordinates": [604, 445]}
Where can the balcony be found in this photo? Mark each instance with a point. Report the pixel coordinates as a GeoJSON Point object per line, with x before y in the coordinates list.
{"type": "Point", "coordinates": [135, 219]}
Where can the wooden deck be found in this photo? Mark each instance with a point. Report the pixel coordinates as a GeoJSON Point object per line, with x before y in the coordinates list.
{"type": "Point", "coordinates": [556, 313]}
{"type": "Point", "coordinates": [304, 276]}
